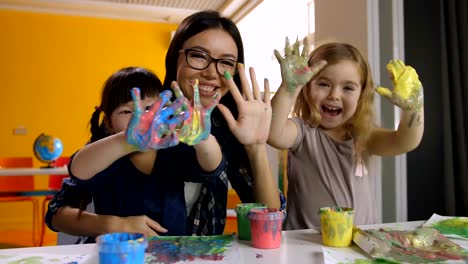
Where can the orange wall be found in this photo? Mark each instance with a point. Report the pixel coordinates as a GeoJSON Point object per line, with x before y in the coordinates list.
{"type": "Point", "coordinates": [52, 68]}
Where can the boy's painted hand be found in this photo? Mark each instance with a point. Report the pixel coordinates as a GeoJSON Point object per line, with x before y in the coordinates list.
{"type": "Point", "coordinates": [134, 224]}
{"type": "Point", "coordinates": [295, 71]}
{"type": "Point", "coordinates": [197, 126]}
{"type": "Point", "coordinates": [407, 89]}
{"type": "Point", "coordinates": [153, 129]}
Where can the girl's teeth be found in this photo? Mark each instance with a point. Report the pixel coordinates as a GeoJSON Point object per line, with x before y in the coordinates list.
{"type": "Point", "coordinates": [206, 88]}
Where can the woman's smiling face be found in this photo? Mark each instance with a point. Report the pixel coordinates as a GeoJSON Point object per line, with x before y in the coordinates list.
{"type": "Point", "coordinates": [216, 43]}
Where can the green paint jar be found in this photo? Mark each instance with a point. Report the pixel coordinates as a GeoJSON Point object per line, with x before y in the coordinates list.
{"type": "Point", "coordinates": [243, 222]}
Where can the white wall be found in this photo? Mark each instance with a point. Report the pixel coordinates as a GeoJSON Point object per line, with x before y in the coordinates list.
{"type": "Point", "coordinates": [265, 29]}
{"type": "Point", "coordinates": [348, 23]}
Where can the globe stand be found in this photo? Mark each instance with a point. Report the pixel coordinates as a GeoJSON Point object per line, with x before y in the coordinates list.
{"type": "Point", "coordinates": [49, 166]}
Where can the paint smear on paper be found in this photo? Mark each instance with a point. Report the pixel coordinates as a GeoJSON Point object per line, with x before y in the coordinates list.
{"type": "Point", "coordinates": [42, 258]}
{"type": "Point", "coordinates": [349, 255]}
{"type": "Point", "coordinates": [370, 261]}
{"type": "Point", "coordinates": [422, 245]}
{"type": "Point", "coordinates": [455, 226]}
{"type": "Point", "coordinates": [171, 249]}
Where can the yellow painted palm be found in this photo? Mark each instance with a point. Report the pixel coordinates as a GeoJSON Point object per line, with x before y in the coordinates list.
{"type": "Point", "coordinates": [407, 90]}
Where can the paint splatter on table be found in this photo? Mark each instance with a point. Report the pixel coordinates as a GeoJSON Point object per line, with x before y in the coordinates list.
{"type": "Point", "coordinates": [450, 226]}
{"type": "Point", "coordinates": [42, 258]}
{"type": "Point", "coordinates": [173, 249]}
{"type": "Point", "coordinates": [422, 245]}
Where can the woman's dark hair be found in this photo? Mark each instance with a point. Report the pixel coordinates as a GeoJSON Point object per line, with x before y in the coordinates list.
{"type": "Point", "coordinates": [116, 91]}
{"type": "Point", "coordinates": [191, 26]}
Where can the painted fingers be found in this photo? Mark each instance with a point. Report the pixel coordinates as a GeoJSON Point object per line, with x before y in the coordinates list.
{"type": "Point", "coordinates": [198, 126]}
{"type": "Point", "coordinates": [407, 90]}
{"type": "Point", "coordinates": [248, 94]}
{"type": "Point", "coordinates": [295, 72]}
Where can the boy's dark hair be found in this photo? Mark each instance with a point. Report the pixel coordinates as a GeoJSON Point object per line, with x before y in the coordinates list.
{"type": "Point", "coordinates": [191, 26]}
{"type": "Point", "coordinates": [116, 91]}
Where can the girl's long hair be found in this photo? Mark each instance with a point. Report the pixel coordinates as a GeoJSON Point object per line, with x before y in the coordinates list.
{"type": "Point", "coordinates": [361, 123]}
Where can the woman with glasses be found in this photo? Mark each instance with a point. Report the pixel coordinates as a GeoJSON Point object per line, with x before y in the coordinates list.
{"type": "Point", "coordinates": [208, 48]}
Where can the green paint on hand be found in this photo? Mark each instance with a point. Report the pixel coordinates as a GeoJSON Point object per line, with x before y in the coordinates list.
{"type": "Point", "coordinates": [227, 75]}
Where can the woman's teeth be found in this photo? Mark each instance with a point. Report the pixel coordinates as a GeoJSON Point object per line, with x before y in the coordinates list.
{"type": "Point", "coordinates": [206, 89]}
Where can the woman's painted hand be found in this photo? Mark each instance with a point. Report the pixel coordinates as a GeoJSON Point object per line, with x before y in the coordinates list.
{"type": "Point", "coordinates": [407, 90]}
{"type": "Point", "coordinates": [197, 126]}
{"type": "Point", "coordinates": [253, 123]}
{"type": "Point", "coordinates": [295, 72]}
{"type": "Point", "coordinates": [153, 129]}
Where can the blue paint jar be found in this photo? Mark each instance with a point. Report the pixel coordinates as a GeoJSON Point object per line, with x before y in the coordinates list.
{"type": "Point", "coordinates": [122, 248]}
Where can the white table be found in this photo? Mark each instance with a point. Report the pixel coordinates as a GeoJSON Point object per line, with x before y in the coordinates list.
{"type": "Point", "coordinates": [33, 171]}
{"type": "Point", "coordinates": [297, 247]}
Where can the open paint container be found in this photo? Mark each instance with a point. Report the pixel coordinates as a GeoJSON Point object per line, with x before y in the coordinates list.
{"type": "Point", "coordinates": [266, 226]}
{"type": "Point", "coordinates": [122, 248]}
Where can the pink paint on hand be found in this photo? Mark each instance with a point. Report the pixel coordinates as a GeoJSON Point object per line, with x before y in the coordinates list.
{"type": "Point", "coordinates": [302, 71]}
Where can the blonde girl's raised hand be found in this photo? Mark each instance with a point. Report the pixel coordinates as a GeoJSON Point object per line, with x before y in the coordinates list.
{"type": "Point", "coordinates": [253, 123]}
{"type": "Point", "coordinates": [407, 94]}
{"type": "Point", "coordinates": [407, 90]}
{"type": "Point", "coordinates": [295, 72]}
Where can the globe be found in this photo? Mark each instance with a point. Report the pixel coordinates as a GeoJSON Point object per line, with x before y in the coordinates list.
{"type": "Point", "coordinates": [47, 148]}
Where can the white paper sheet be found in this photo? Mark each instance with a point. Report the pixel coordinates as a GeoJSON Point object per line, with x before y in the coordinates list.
{"type": "Point", "coordinates": [333, 255]}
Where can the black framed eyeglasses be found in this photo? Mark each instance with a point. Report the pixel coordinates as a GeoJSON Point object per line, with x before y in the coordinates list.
{"type": "Point", "coordinates": [199, 60]}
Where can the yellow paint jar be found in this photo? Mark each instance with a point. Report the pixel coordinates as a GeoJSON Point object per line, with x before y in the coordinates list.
{"type": "Point", "coordinates": [337, 226]}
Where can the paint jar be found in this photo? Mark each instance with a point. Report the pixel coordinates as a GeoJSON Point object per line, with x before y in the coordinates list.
{"type": "Point", "coordinates": [243, 223]}
{"type": "Point", "coordinates": [266, 225]}
{"type": "Point", "coordinates": [337, 226]}
{"type": "Point", "coordinates": [123, 248]}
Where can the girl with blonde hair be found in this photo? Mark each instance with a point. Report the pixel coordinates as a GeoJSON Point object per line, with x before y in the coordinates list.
{"type": "Point", "coordinates": [332, 134]}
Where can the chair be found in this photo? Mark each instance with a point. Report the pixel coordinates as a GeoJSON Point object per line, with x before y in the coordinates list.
{"type": "Point", "coordinates": [55, 181]}
{"type": "Point", "coordinates": [55, 184]}
{"type": "Point", "coordinates": [12, 186]}
{"type": "Point", "coordinates": [231, 219]}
